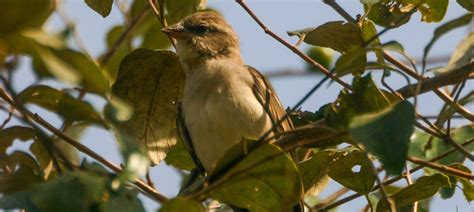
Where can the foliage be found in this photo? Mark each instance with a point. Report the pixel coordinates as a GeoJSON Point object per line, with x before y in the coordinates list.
{"type": "Point", "coordinates": [366, 130]}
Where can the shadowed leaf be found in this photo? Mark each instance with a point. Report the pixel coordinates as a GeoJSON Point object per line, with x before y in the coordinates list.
{"type": "Point", "coordinates": [103, 7]}
{"type": "Point", "coordinates": [336, 35]}
{"type": "Point", "coordinates": [181, 204]}
{"type": "Point", "coordinates": [352, 169]}
{"type": "Point", "coordinates": [151, 82]}
{"type": "Point", "coordinates": [386, 134]}
{"type": "Point", "coordinates": [265, 180]}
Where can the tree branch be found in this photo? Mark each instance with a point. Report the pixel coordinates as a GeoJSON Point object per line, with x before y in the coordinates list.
{"type": "Point", "coordinates": [291, 47]}
{"type": "Point", "coordinates": [127, 32]}
{"type": "Point", "coordinates": [388, 182]}
{"type": "Point", "coordinates": [452, 77]}
{"type": "Point", "coordinates": [459, 108]}
{"type": "Point", "coordinates": [36, 118]}
{"type": "Point", "coordinates": [442, 168]}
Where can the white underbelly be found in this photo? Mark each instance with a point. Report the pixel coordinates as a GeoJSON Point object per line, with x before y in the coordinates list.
{"type": "Point", "coordinates": [219, 119]}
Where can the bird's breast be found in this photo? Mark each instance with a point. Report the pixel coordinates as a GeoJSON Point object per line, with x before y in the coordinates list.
{"type": "Point", "coordinates": [220, 109]}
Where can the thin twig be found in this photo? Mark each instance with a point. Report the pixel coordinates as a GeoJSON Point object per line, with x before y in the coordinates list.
{"type": "Point", "coordinates": [388, 182]}
{"type": "Point", "coordinates": [460, 109]}
{"type": "Point", "coordinates": [290, 46]}
{"type": "Point", "coordinates": [442, 168]}
{"type": "Point", "coordinates": [125, 34]}
{"type": "Point", "coordinates": [36, 118]}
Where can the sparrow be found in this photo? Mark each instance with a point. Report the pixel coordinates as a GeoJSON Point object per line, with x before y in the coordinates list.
{"type": "Point", "coordinates": [224, 100]}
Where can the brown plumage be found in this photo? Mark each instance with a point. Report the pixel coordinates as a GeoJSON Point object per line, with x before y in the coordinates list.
{"type": "Point", "coordinates": [224, 99]}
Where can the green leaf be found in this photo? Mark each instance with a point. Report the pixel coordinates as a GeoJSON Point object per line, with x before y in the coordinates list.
{"type": "Point", "coordinates": [352, 169]}
{"type": "Point", "coordinates": [352, 61]}
{"type": "Point", "coordinates": [364, 98]}
{"type": "Point", "coordinates": [388, 14]}
{"type": "Point", "coordinates": [76, 191]}
{"type": "Point", "coordinates": [18, 172]}
{"type": "Point", "coordinates": [21, 14]}
{"type": "Point", "coordinates": [112, 65]}
{"type": "Point", "coordinates": [461, 56]}
{"type": "Point", "coordinates": [427, 148]}
{"type": "Point", "coordinates": [68, 107]}
{"type": "Point", "coordinates": [467, 4]}
{"type": "Point", "coordinates": [323, 56]}
{"type": "Point", "coordinates": [178, 9]}
{"type": "Point", "coordinates": [336, 35]}
{"type": "Point", "coordinates": [314, 172]}
{"type": "Point", "coordinates": [151, 82]}
{"type": "Point", "coordinates": [42, 155]}
{"type": "Point", "coordinates": [179, 157]}
{"type": "Point", "coordinates": [425, 187]}
{"type": "Point", "coordinates": [9, 135]}
{"type": "Point", "coordinates": [124, 200]}
{"type": "Point", "coordinates": [386, 134]}
{"type": "Point", "coordinates": [369, 2]}
{"type": "Point", "coordinates": [265, 180]}
{"type": "Point", "coordinates": [444, 29]}
{"type": "Point", "coordinates": [181, 204]}
{"type": "Point", "coordinates": [432, 10]}
{"type": "Point", "coordinates": [467, 186]}
{"type": "Point", "coordinates": [103, 7]}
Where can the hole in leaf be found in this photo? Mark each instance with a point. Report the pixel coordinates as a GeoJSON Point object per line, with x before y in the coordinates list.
{"type": "Point", "coordinates": [356, 168]}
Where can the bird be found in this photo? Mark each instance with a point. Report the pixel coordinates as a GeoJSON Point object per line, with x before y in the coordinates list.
{"type": "Point", "coordinates": [224, 100]}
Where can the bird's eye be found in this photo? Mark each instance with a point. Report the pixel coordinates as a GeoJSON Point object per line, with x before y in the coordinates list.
{"type": "Point", "coordinates": [199, 29]}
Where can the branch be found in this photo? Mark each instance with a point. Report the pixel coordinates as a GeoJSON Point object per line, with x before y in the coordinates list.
{"type": "Point", "coordinates": [459, 108]}
{"type": "Point", "coordinates": [127, 32]}
{"type": "Point", "coordinates": [291, 47]}
{"type": "Point", "coordinates": [388, 182]}
{"type": "Point", "coordinates": [36, 118]}
{"type": "Point", "coordinates": [452, 77]}
{"type": "Point", "coordinates": [442, 168]}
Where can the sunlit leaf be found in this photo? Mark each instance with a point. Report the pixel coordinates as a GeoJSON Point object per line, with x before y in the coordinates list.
{"type": "Point", "coordinates": [151, 82]}
{"type": "Point", "coordinates": [386, 134]}
{"type": "Point", "coordinates": [336, 35]}
{"type": "Point", "coordinates": [388, 14]}
{"type": "Point", "coordinates": [265, 180]}
{"type": "Point", "coordinates": [181, 204]}
{"type": "Point", "coordinates": [432, 10]}
{"type": "Point", "coordinates": [103, 7]}
{"type": "Point", "coordinates": [352, 169]}
{"type": "Point", "coordinates": [425, 187]}
{"type": "Point", "coordinates": [467, 186]}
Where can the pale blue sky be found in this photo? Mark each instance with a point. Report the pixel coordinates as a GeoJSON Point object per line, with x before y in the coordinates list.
{"type": "Point", "coordinates": [264, 53]}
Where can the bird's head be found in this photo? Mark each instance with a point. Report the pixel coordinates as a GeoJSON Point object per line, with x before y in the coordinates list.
{"type": "Point", "coordinates": [203, 36]}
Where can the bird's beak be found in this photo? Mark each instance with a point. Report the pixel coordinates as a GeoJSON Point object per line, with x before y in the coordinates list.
{"type": "Point", "coordinates": [176, 31]}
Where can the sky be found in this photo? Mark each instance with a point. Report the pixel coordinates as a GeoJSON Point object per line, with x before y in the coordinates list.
{"type": "Point", "coordinates": [265, 54]}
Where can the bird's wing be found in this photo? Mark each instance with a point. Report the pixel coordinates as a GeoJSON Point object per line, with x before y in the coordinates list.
{"type": "Point", "coordinates": [269, 100]}
{"type": "Point", "coordinates": [186, 138]}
